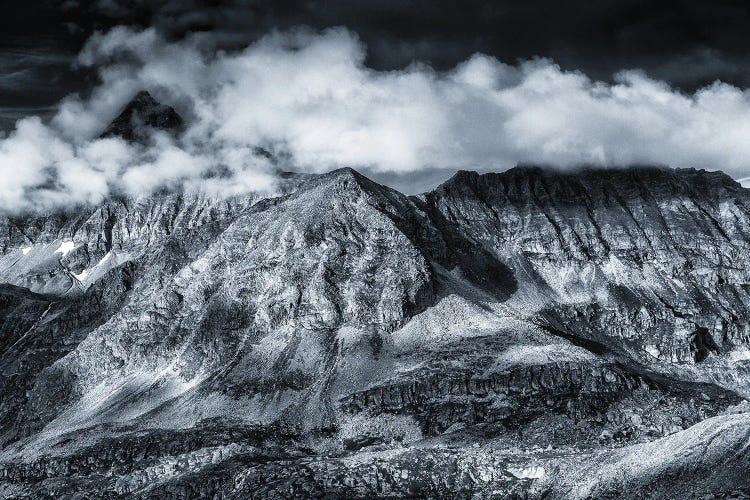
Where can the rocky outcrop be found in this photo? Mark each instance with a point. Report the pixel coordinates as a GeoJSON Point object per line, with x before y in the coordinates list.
{"type": "Point", "coordinates": [141, 113]}
{"type": "Point", "coordinates": [339, 338]}
{"type": "Point", "coordinates": [639, 259]}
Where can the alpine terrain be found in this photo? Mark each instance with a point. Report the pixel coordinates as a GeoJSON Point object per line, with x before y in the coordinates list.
{"type": "Point", "coordinates": [525, 334]}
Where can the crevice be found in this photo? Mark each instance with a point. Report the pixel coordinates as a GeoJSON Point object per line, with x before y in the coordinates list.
{"type": "Point", "coordinates": [558, 230]}
{"type": "Point", "coordinates": [20, 230]}
{"type": "Point", "coordinates": [627, 210]}
{"type": "Point", "coordinates": [702, 344]}
{"type": "Point", "coordinates": [648, 197]}
{"type": "Point", "coordinates": [588, 203]}
{"type": "Point", "coordinates": [32, 328]}
{"type": "Point", "coordinates": [716, 224]}
{"type": "Point", "coordinates": [675, 312]}
{"type": "Point", "coordinates": [109, 225]}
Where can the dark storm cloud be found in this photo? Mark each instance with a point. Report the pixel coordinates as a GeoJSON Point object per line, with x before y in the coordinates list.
{"type": "Point", "coordinates": [36, 52]}
{"type": "Point", "coordinates": [668, 40]}
{"type": "Point", "coordinates": [686, 43]}
{"type": "Point", "coordinates": [32, 79]}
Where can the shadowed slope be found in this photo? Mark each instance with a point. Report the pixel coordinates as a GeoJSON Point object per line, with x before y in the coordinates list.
{"type": "Point", "coordinates": [344, 339]}
{"type": "Point", "coordinates": [140, 114]}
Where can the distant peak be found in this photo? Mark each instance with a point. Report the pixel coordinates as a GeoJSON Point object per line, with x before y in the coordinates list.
{"type": "Point", "coordinates": [466, 174]}
{"type": "Point", "coordinates": [345, 175]}
{"type": "Point", "coordinates": [345, 172]}
{"type": "Point", "coordinates": [460, 178]}
{"type": "Point", "coordinates": [567, 182]}
{"type": "Point", "coordinates": [145, 97]}
{"type": "Point", "coordinates": [141, 113]}
{"type": "Point", "coordinates": [593, 172]}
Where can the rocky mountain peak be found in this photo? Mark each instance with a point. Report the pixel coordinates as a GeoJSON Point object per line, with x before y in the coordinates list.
{"type": "Point", "coordinates": [139, 114]}
{"type": "Point", "coordinates": [528, 184]}
{"type": "Point", "coordinates": [532, 323]}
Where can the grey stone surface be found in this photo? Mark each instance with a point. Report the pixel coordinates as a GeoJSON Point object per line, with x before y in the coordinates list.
{"type": "Point", "coordinates": [529, 333]}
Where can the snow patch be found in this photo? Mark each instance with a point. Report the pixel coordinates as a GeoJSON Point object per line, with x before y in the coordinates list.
{"type": "Point", "coordinates": [65, 248]}
{"type": "Point", "coordinates": [97, 271]}
{"type": "Point", "coordinates": [106, 257]}
{"type": "Point", "coordinates": [652, 350]}
{"type": "Point", "coordinates": [26, 250]}
{"type": "Point", "coordinates": [82, 276]}
{"type": "Point", "coordinates": [533, 472]}
{"type": "Point", "coordinates": [543, 354]}
{"type": "Point", "coordinates": [739, 355]}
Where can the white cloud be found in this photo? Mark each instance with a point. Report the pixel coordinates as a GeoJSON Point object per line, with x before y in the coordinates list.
{"type": "Point", "coordinates": [310, 98]}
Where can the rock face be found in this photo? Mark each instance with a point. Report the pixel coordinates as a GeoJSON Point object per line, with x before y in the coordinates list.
{"type": "Point", "coordinates": [141, 113]}
{"type": "Point", "coordinates": [529, 333]}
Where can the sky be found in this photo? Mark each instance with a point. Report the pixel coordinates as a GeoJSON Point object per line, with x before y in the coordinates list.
{"type": "Point", "coordinates": [406, 91]}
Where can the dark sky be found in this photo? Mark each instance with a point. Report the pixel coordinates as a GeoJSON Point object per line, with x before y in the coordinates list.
{"type": "Point", "coordinates": [687, 43]}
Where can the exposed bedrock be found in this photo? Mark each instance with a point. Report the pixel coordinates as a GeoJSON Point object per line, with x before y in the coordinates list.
{"type": "Point", "coordinates": [496, 336]}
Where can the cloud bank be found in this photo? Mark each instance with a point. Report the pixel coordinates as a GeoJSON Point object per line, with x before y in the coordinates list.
{"type": "Point", "coordinates": [309, 99]}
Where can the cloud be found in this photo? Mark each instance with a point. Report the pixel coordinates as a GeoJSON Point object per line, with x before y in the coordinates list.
{"type": "Point", "coordinates": [309, 99]}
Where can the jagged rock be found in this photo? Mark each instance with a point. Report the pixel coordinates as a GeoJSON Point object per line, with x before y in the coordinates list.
{"type": "Point", "coordinates": [498, 336]}
{"type": "Point", "coordinates": [140, 114]}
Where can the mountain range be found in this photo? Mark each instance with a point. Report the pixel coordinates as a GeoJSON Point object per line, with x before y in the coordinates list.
{"type": "Point", "coordinates": [532, 333]}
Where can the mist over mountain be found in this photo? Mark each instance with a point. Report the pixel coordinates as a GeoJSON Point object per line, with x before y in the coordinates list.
{"type": "Point", "coordinates": [306, 101]}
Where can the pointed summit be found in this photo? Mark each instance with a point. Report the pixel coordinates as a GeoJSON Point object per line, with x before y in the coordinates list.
{"type": "Point", "coordinates": [143, 111]}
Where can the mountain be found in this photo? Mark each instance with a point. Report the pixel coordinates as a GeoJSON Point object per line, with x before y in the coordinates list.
{"type": "Point", "coordinates": [528, 334]}
{"type": "Point", "coordinates": [143, 112]}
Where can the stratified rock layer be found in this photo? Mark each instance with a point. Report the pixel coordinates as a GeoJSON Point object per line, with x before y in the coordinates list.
{"type": "Point", "coordinates": [505, 334]}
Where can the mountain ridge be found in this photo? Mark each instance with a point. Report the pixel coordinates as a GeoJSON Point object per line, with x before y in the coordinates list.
{"type": "Point", "coordinates": [502, 335]}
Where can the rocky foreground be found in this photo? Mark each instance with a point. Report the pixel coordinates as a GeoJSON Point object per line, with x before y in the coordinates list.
{"type": "Point", "coordinates": [529, 334]}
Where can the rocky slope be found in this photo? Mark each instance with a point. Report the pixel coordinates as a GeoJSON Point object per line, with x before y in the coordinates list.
{"type": "Point", "coordinates": [529, 333]}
